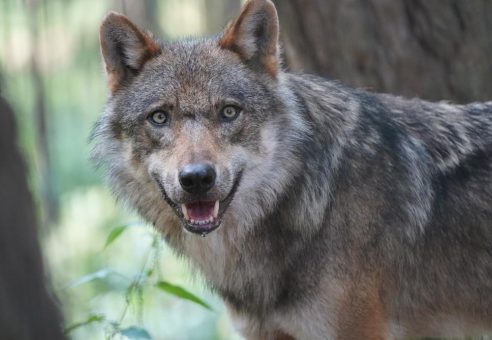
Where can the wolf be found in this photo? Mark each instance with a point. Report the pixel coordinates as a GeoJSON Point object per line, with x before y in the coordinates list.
{"type": "Point", "coordinates": [316, 211]}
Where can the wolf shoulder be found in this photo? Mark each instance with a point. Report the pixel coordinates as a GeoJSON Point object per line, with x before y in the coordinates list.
{"type": "Point", "coordinates": [447, 133]}
{"type": "Point", "coordinates": [437, 155]}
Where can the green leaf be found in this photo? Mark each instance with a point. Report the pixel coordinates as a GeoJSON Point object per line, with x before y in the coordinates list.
{"type": "Point", "coordinates": [118, 231]}
{"type": "Point", "coordinates": [100, 274]}
{"type": "Point", "coordinates": [115, 234]}
{"type": "Point", "coordinates": [91, 319]}
{"type": "Point", "coordinates": [135, 333]}
{"type": "Point", "coordinates": [181, 292]}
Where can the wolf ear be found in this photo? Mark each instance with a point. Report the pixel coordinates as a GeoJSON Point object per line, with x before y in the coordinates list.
{"type": "Point", "coordinates": [254, 36]}
{"type": "Point", "coordinates": [125, 49]}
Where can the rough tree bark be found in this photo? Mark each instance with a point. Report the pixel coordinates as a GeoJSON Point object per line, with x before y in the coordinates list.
{"type": "Point", "coordinates": [27, 311]}
{"type": "Point", "coordinates": [426, 48]}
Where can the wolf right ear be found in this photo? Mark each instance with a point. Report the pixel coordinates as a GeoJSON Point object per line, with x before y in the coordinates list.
{"type": "Point", "coordinates": [125, 48]}
{"type": "Point", "coordinates": [254, 36]}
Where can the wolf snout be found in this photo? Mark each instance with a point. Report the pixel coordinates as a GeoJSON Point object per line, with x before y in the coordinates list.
{"type": "Point", "coordinates": [197, 178]}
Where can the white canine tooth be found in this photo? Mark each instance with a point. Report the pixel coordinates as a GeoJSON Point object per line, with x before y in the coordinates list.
{"type": "Point", "coordinates": [192, 221]}
{"type": "Point", "coordinates": [216, 209]}
{"type": "Point", "coordinates": [185, 211]}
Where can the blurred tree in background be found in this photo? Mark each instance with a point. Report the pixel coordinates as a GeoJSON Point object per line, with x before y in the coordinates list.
{"type": "Point", "coordinates": [27, 310]}
{"type": "Point", "coordinates": [54, 79]}
{"type": "Point", "coordinates": [143, 13]}
{"type": "Point", "coordinates": [47, 186]}
{"type": "Point", "coordinates": [430, 49]}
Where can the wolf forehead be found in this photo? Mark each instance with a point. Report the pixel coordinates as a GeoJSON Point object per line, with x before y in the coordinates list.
{"type": "Point", "coordinates": [191, 75]}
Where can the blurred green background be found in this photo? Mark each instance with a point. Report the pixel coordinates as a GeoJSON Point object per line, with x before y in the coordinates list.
{"type": "Point", "coordinates": [53, 77]}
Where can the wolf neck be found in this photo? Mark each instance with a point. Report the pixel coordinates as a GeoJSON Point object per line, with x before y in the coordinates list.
{"type": "Point", "coordinates": [238, 257]}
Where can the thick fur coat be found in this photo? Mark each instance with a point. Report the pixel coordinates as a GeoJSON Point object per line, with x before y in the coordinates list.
{"type": "Point", "coordinates": [341, 214]}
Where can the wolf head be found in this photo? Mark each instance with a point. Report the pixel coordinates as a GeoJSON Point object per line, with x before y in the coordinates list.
{"type": "Point", "coordinates": [198, 131]}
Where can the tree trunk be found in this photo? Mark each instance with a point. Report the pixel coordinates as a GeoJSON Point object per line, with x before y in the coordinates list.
{"type": "Point", "coordinates": [142, 12]}
{"type": "Point", "coordinates": [49, 197]}
{"type": "Point", "coordinates": [426, 48]}
{"type": "Point", "coordinates": [27, 311]}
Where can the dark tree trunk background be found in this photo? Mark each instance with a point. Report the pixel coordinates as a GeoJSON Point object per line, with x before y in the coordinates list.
{"type": "Point", "coordinates": [27, 311]}
{"type": "Point", "coordinates": [427, 48]}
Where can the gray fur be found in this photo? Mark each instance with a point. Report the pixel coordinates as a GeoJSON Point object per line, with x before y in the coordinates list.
{"type": "Point", "coordinates": [358, 215]}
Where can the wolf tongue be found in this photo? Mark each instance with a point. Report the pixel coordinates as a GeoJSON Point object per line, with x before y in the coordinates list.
{"type": "Point", "coordinates": [200, 211]}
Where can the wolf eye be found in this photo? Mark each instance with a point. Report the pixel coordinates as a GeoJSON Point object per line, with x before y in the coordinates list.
{"type": "Point", "coordinates": [158, 118]}
{"type": "Point", "coordinates": [230, 112]}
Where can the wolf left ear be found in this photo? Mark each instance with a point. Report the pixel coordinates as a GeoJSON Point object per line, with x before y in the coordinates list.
{"type": "Point", "coordinates": [125, 49]}
{"type": "Point", "coordinates": [254, 36]}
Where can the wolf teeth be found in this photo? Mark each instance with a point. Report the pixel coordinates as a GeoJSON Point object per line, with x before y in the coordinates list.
{"type": "Point", "coordinates": [216, 209]}
{"type": "Point", "coordinates": [185, 211]}
{"type": "Point", "coordinates": [210, 220]}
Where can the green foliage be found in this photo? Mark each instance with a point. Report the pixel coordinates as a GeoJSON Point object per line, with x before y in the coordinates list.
{"type": "Point", "coordinates": [135, 333]}
{"type": "Point", "coordinates": [181, 292]}
{"type": "Point", "coordinates": [147, 276]}
{"type": "Point", "coordinates": [115, 233]}
{"type": "Point", "coordinates": [91, 319]}
{"type": "Point", "coordinates": [118, 231]}
{"type": "Point", "coordinates": [100, 274]}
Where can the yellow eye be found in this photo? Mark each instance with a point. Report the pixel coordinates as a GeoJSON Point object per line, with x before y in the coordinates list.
{"type": "Point", "coordinates": [158, 118]}
{"type": "Point", "coordinates": [230, 112]}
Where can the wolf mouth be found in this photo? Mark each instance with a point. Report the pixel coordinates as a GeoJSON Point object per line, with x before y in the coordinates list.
{"type": "Point", "coordinates": [201, 217]}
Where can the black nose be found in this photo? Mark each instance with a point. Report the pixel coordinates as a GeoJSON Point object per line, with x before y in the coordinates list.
{"type": "Point", "coordinates": [197, 178]}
